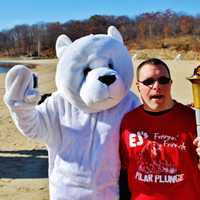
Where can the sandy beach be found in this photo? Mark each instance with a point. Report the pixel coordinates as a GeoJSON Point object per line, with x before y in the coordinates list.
{"type": "Point", "coordinates": [24, 163]}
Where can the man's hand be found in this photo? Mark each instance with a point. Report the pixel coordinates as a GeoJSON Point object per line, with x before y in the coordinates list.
{"type": "Point", "coordinates": [196, 142]}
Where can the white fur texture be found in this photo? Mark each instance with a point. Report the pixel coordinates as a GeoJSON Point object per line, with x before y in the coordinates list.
{"type": "Point", "coordinates": [97, 52]}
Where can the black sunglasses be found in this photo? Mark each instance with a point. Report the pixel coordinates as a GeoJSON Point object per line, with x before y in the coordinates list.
{"type": "Point", "coordinates": [161, 80]}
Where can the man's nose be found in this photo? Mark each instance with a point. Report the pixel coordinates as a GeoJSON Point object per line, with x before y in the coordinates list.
{"type": "Point", "coordinates": [155, 85]}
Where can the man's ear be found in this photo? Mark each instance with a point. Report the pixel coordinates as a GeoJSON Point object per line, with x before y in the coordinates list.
{"type": "Point", "coordinates": [138, 87]}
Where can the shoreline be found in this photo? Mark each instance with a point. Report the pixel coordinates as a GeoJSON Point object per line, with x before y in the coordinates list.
{"type": "Point", "coordinates": [31, 63]}
{"type": "Point", "coordinates": [11, 64]}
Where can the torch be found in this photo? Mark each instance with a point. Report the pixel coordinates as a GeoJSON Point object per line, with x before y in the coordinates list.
{"type": "Point", "coordinates": [195, 80]}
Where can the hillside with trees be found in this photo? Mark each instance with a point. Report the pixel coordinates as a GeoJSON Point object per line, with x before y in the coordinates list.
{"type": "Point", "coordinates": [156, 30]}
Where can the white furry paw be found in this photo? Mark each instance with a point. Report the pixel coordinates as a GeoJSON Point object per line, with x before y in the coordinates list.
{"type": "Point", "coordinates": [19, 85]}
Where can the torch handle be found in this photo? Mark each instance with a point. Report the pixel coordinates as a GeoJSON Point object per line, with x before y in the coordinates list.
{"type": "Point", "coordinates": [197, 113]}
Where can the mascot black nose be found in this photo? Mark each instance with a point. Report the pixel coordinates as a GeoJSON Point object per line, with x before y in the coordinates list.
{"type": "Point", "coordinates": [107, 79]}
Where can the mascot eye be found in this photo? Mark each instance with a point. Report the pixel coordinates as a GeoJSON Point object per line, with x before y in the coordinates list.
{"type": "Point", "coordinates": [110, 66]}
{"type": "Point", "coordinates": [86, 70]}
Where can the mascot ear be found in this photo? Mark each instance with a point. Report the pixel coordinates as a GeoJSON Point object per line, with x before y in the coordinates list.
{"type": "Point", "coordinates": [113, 32]}
{"type": "Point", "coordinates": [62, 43]}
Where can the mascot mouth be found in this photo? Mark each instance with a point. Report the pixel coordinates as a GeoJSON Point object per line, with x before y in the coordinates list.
{"type": "Point", "coordinates": [100, 101]}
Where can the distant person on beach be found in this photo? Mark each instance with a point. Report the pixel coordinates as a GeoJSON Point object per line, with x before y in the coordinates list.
{"type": "Point", "coordinates": [157, 145]}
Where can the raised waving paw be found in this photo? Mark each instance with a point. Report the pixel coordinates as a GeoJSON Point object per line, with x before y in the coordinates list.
{"type": "Point", "coordinates": [21, 87]}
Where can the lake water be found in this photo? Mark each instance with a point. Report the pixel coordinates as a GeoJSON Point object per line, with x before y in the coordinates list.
{"type": "Point", "coordinates": [4, 69]}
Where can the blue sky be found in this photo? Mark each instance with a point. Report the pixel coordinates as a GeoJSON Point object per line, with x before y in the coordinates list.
{"type": "Point", "coordinates": [16, 12]}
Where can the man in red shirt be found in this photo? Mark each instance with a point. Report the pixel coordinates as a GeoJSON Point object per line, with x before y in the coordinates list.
{"type": "Point", "coordinates": [156, 143]}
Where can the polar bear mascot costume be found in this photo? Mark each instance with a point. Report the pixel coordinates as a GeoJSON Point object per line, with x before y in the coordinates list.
{"type": "Point", "coordinates": [79, 122]}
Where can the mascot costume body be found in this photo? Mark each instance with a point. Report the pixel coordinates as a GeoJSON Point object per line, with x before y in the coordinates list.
{"type": "Point", "coordinates": [80, 122]}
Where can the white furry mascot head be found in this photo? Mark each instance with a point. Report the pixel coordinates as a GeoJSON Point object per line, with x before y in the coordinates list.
{"type": "Point", "coordinates": [94, 72]}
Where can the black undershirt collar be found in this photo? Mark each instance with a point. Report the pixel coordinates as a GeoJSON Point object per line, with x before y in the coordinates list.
{"type": "Point", "coordinates": [157, 113]}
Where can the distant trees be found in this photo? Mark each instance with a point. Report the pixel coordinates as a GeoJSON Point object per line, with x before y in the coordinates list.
{"type": "Point", "coordinates": [186, 24]}
{"type": "Point", "coordinates": [39, 39]}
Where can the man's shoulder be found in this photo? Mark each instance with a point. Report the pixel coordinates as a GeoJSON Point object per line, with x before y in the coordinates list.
{"type": "Point", "coordinates": [185, 112]}
{"type": "Point", "coordinates": [184, 108]}
{"type": "Point", "coordinates": [134, 112]}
